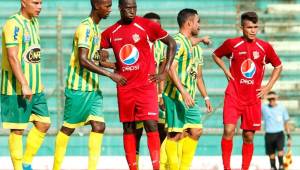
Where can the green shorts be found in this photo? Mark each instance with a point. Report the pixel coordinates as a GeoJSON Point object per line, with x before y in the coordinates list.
{"type": "Point", "coordinates": [179, 117]}
{"type": "Point", "coordinates": [82, 107]}
{"type": "Point", "coordinates": [16, 112]}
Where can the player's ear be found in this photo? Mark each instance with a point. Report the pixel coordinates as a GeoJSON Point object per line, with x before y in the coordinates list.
{"type": "Point", "coordinates": [23, 3]}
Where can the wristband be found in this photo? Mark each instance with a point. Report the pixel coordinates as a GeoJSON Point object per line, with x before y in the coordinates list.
{"type": "Point", "coordinates": [288, 136]}
{"type": "Point", "coordinates": [206, 98]}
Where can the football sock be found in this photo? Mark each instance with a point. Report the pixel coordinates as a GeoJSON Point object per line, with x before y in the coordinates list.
{"type": "Point", "coordinates": [226, 152]}
{"type": "Point", "coordinates": [247, 152]}
{"type": "Point", "coordinates": [280, 160]}
{"type": "Point", "coordinates": [273, 164]}
{"type": "Point", "coordinates": [130, 150]}
{"type": "Point", "coordinates": [154, 148]}
{"type": "Point", "coordinates": [16, 150]}
{"type": "Point", "coordinates": [172, 154]}
{"type": "Point", "coordinates": [95, 141]}
{"type": "Point", "coordinates": [188, 152]}
{"type": "Point", "coordinates": [163, 160]}
{"type": "Point", "coordinates": [61, 144]}
{"type": "Point", "coordinates": [34, 141]}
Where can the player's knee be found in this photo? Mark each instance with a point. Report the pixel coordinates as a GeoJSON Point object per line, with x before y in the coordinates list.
{"type": "Point", "coordinates": [98, 127]}
{"type": "Point", "coordinates": [17, 131]}
{"type": "Point", "coordinates": [129, 127]}
{"type": "Point", "coordinates": [67, 131]}
{"type": "Point", "coordinates": [228, 133]}
{"type": "Point", "coordinates": [248, 136]}
{"type": "Point", "coordinates": [196, 133]}
{"type": "Point", "coordinates": [42, 127]}
{"type": "Point", "coordinates": [150, 125]}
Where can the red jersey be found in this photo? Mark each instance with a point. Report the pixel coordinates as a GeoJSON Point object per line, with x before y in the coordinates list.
{"type": "Point", "coordinates": [247, 64]}
{"type": "Point", "coordinates": [132, 46]}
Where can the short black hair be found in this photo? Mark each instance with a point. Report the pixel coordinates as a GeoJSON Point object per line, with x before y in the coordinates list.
{"type": "Point", "coordinates": [184, 15]}
{"type": "Point", "coordinates": [272, 93]}
{"type": "Point", "coordinates": [250, 16]}
{"type": "Point", "coordinates": [152, 15]}
{"type": "Point", "coordinates": [121, 2]}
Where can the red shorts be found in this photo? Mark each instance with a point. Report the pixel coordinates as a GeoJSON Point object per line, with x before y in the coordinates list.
{"type": "Point", "coordinates": [251, 115]}
{"type": "Point", "coordinates": [138, 104]}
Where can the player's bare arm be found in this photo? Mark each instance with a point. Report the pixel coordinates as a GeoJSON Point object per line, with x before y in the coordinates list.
{"type": "Point", "coordinates": [274, 77]}
{"type": "Point", "coordinates": [84, 62]}
{"type": "Point", "coordinates": [104, 60]}
{"type": "Point", "coordinates": [170, 42]}
{"type": "Point", "coordinates": [202, 89]}
{"type": "Point", "coordinates": [221, 64]}
{"type": "Point", "coordinates": [205, 40]}
{"type": "Point", "coordinates": [188, 100]}
{"type": "Point", "coordinates": [15, 65]}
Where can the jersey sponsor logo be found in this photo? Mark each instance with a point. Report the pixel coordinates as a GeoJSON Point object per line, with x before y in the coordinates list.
{"type": "Point", "coordinates": [136, 38]}
{"type": "Point", "coordinates": [255, 55]}
{"type": "Point", "coordinates": [247, 81]}
{"type": "Point", "coordinates": [129, 54]}
{"type": "Point", "coordinates": [16, 32]}
{"type": "Point", "coordinates": [248, 68]}
{"type": "Point", "coordinates": [32, 54]}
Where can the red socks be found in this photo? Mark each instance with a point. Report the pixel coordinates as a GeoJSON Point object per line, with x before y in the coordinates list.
{"type": "Point", "coordinates": [226, 152]}
{"type": "Point", "coordinates": [154, 148]}
{"type": "Point", "coordinates": [247, 153]}
{"type": "Point", "coordinates": [130, 150]}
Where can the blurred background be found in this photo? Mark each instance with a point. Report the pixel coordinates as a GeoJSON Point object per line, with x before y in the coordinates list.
{"type": "Point", "coordinates": [220, 19]}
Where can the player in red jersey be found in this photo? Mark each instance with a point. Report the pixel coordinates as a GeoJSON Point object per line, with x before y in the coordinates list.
{"type": "Point", "coordinates": [131, 39]}
{"type": "Point", "coordinates": [248, 56]}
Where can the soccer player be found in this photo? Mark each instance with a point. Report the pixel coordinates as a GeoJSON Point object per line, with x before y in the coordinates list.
{"type": "Point", "coordinates": [248, 56]}
{"type": "Point", "coordinates": [183, 114]}
{"type": "Point", "coordinates": [22, 97]}
{"type": "Point", "coordinates": [132, 38]}
{"type": "Point", "coordinates": [84, 101]}
{"type": "Point", "coordinates": [276, 119]}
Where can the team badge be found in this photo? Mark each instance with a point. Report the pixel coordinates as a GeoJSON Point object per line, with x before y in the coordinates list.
{"type": "Point", "coordinates": [136, 38]}
{"type": "Point", "coordinates": [255, 55]}
{"type": "Point", "coordinates": [26, 37]}
{"type": "Point", "coordinates": [32, 54]}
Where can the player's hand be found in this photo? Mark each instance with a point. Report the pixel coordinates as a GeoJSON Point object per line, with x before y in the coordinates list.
{"type": "Point", "coordinates": [188, 100]}
{"type": "Point", "coordinates": [120, 80]}
{"type": "Point", "coordinates": [157, 77]}
{"type": "Point", "coordinates": [289, 142]}
{"type": "Point", "coordinates": [26, 92]}
{"type": "Point", "coordinates": [161, 104]}
{"type": "Point", "coordinates": [208, 105]}
{"type": "Point", "coordinates": [229, 76]}
{"type": "Point", "coordinates": [104, 55]}
{"type": "Point", "coordinates": [262, 91]}
{"type": "Point", "coordinates": [206, 40]}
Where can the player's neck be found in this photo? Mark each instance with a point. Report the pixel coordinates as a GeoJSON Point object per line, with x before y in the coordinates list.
{"type": "Point", "coordinates": [186, 33]}
{"type": "Point", "coordinates": [25, 14]}
{"type": "Point", "coordinates": [95, 18]}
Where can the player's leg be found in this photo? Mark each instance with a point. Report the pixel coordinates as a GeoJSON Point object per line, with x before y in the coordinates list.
{"type": "Point", "coordinates": [270, 149]}
{"type": "Point", "coordinates": [230, 117]}
{"type": "Point", "coordinates": [130, 144]}
{"type": "Point", "coordinates": [279, 147]}
{"type": "Point", "coordinates": [247, 149]}
{"type": "Point", "coordinates": [153, 141]}
{"type": "Point", "coordinates": [138, 136]}
{"type": "Point", "coordinates": [95, 142]}
{"type": "Point", "coordinates": [41, 120]}
{"type": "Point", "coordinates": [162, 130]}
{"type": "Point", "coordinates": [16, 148]}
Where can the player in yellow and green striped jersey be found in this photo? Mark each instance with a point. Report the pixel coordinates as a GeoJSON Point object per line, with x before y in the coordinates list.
{"type": "Point", "coordinates": [183, 114]}
{"type": "Point", "coordinates": [84, 101]}
{"type": "Point", "coordinates": [22, 97]}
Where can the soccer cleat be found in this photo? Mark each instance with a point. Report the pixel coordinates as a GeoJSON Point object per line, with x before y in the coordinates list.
{"type": "Point", "coordinates": [26, 166]}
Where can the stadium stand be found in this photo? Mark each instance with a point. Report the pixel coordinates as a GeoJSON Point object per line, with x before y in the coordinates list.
{"type": "Point", "coordinates": [219, 19]}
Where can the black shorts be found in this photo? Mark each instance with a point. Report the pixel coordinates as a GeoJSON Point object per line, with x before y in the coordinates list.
{"type": "Point", "coordinates": [274, 142]}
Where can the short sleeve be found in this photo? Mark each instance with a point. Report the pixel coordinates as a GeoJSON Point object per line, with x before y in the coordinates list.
{"type": "Point", "coordinates": [198, 54]}
{"type": "Point", "coordinates": [12, 33]}
{"type": "Point", "coordinates": [155, 31]}
{"type": "Point", "coordinates": [224, 50]}
{"type": "Point", "coordinates": [105, 39]}
{"type": "Point", "coordinates": [179, 50]}
{"type": "Point", "coordinates": [285, 114]}
{"type": "Point", "coordinates": [84, 36]}
{"type": "Point", "coordinates": [271, 56]}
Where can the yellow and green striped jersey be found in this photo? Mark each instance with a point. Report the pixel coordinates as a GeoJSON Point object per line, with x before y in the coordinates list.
{"type": "Point", "coordinates": [159, 53]}
{"type": "Point", "coordinates": [87, 35]}
{"type": "Point", "coordinates": [185, 68]}
{"type": "Point", "coordinates": [22, 33]}
{"type": "Point", "coordinates": [198, 55]}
